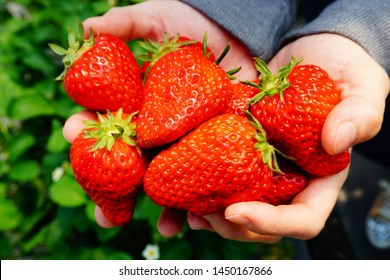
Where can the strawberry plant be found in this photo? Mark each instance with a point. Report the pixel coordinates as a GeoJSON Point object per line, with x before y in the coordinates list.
{"type": "Point", "coordinates": [44, 212]}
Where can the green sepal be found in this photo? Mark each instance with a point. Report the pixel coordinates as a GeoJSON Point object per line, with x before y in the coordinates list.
{"type": "Point", "coordinates": [157, 50]}
{"type": "Point", "coordinates": [232, 72]}
{"type": "Point", "coordinates": [108, 129]}
{"type": "Point", "coordinates": [270, 84]}
{"type": "Point", "coordinates": [77, 45]}
{"type": "Point", "coordinates": [269, 151]}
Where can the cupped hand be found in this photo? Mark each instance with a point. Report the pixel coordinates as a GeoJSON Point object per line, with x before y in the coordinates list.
{"type": "Point", "coordinates": [357, 118]}
{"type": "Point", "coordinates": [256, 221]}
{"type": "Point", "coordinates": [151, 20]}
{"type": "Point", "coordinates": [364, 83]}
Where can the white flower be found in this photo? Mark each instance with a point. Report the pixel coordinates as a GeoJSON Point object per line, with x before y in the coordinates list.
{"type": "Point", "coordinates": [57, 174]}
{"type": "Point", "coordinates": [151, 252]}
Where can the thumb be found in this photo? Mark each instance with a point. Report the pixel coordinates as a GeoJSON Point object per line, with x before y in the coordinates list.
{"type": "Point", "coordinates": [353, 121]}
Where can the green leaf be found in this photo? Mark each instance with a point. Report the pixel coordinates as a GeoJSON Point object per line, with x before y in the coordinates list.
{"type": "Point", "coordinates": [90, 210]}
{"type": "Point", "coordinates": [37, 239]}
{"type": "Point", "coordinates": [8, 90]}
{"type": "Point", "coordinates": [147, 210]}
{"type": "Point", "coordinates": [38, 62]}
{"type": "Point", "coordinates": [56, 142]}
{"type": "Point", "coordinates": [24, 171]}
{"type": "Point", "coordinates": [105, 234]}
{"type": "Point", "coordinates": [66, 192]}
{"type": "Point", "coordinates": [174, 250]}
{"type": "Point", "coordinates": [3, 189]}
{"type": "Point", "coordinates": [19, 145]}
{"type": "Point", "coordinates": [103, 253]}
{"type": "Point", "coordinates": [4, 167]}
{"type": "Point", "coordinates": [51, 161]}
{"type": "Point", "coordinates": [31, 106]}
{"type": "Point", "coordinates": [65, 107]}
{"type": "Point", "coordinates": [10, 216]}
{"type": "Point", "coordinates": [5, 247]}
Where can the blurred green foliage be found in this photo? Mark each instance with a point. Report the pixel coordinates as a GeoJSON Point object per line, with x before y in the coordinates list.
{"type": "Point", "coordinates": [44, 214]}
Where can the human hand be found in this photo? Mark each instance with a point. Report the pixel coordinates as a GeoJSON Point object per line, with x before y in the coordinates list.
{"type": "Point", "coordinates": [152, 19]}
{"type": "Point", "coordinates": [357, 118]}
{"type": "Point", "coordinates": [364, 83]}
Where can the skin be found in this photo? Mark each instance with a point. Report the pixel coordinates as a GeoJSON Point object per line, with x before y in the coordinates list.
{"type": "Point", "coordinates": [365, 86]}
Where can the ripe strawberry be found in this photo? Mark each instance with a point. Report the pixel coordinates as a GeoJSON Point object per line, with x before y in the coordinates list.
{"type": "Point", "coordinates": [157, 50]}
{"type": "Point", "coordinates": [292, 107]}
{"type": "Point", "coordinates": [182, 90]}
{"type": "Point", "coordinates": [223, 161]}
{"type": "Point", "coordinates": [285, 186]}
{"type": "Point", "coordinates": [241, 95]}
{"type": "Point", "coordinates": [109, 165]}
{"type": "Point", "coordinates": [101, 73]}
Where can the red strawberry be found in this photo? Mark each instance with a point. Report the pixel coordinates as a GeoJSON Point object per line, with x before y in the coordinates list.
{"type": "Point", "coordinates": [182, 90]}
{"type": "Point", "coordinates": [223, 161]}
{"type": "Point", "coordinates": [101, 73]}
{"type": "Point", "coordinates": [285, 186]}
{"type": "Point", "coordinates": [292, 107]}
{"type": "Point", "coordinates": [241, 95]}
{"type": "Point", "coordinates": [109, 166]}
{"type": "Point", "coordinates": [157, 50]}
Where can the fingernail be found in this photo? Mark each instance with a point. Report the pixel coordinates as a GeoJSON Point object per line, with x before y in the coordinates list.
{"type": "Point", "coordinates": [345, 137]}
{"type": "Point", "coordinates": [238, 219]}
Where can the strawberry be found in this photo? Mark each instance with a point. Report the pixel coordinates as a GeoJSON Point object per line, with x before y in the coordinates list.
{"type": "Point", "coordinates": [157, 50]}
{"type": "Point", "coordinates": [223, 161]}
{"type": "Point", "coordinates": [241, 95]}
{"type": "Point", "coordinates": [101, 73]}
{"type": "Point", "coordinates": [109, 165]}
{"type": "Point", "coordinates": [292, 107]}
{"type": "Point", "coordinates": [285, 185]}
{"type": "Point", "coordinates": [182, 90]}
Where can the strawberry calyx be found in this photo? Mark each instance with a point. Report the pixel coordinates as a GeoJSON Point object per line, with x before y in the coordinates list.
{"type": "Point", "coordinates": [262, 144]}
{"type": "Point", "coordinates": [77, 46]}
{"type": "Point", "coordinates": [156, 50]}
{"type": "Point", "coordinates": [270, 84]}
{"type": "Point", "coordinates": [107, 129]}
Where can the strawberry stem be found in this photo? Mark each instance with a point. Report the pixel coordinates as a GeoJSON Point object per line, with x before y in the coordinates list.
{"type": "Point", "coordinates": [108, 129]}
{"type": "Point", "coordinates": [270, 84]}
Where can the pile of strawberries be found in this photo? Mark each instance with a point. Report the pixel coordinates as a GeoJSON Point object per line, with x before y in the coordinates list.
{"type": "Point", "coordinates": [179, 128]}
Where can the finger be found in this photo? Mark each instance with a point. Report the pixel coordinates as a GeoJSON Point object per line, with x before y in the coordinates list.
{"type": "Point", "coordinates": [151, 20]}
{"type": "Point", "coordinates": [170, 222]}
{"type": "Point", "coordinates": [352, 121]}
{"type": "Point", "coordinates": [74, 125]}
{"type": "Point", "coordinates": [101, 220]}
{"type": "Point", "coordinates": [198, 222]}
{"type": "Point", "coordinates": [358, 117]}
{"type": "Point", "coordinates": [303, 219]}
{"type": "Point", "coordinates": [234, 231]}
{"type": "Point", "coordinates": [128, 23]}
